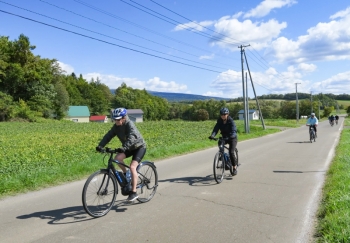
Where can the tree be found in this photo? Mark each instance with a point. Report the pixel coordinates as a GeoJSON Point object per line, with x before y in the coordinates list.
{"type": "Point", "coordinates": [201, 115]}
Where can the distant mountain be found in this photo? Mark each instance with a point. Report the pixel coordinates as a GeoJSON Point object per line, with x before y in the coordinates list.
{"type": "Point", "coordinates": [173, 97]}
{"type": "Point", "coordinates": [176, 97]}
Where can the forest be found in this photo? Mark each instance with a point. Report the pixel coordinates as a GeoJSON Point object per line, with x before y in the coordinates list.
{"type": "Point", "coordinates": [36, 89]}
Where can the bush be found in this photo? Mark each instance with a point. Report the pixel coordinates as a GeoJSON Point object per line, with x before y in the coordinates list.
{"type": "Point", "coordinates": [201, 115]}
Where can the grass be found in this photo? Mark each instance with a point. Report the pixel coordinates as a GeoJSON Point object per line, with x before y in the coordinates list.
{"type": "Point", "coordinates": [334, 213]}
{"type": "Point", "coordinates": [35, 156]}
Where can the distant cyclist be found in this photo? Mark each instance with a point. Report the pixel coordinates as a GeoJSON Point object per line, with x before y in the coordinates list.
{"type": "Point", "coordinates": [331, 120]}
{"type": "Point", "coordinates": [228, 130]}
{"type": "Point", "coordinates": [312, 122]}
{"type": "Point", "coordinates": [336, 119]}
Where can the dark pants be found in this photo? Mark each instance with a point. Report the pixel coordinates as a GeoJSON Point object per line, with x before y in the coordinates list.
{"type": "Point", "coordinates": [313, 127]}
{"type": "Point", "coordinates": [232, 146]}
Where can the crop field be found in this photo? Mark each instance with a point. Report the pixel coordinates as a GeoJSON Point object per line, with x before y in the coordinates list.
{"type": "Point", "coordinates": [36, 155]}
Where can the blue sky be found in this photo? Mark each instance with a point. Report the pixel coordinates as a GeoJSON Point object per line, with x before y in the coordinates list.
{"type": "Point", "coordinates": [191, 46]}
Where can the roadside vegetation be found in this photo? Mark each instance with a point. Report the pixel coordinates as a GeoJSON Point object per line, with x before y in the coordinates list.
{"type": "Point", "coordinates": [334, 212]}
{"type": "Point", "coordinates": [37, 155]}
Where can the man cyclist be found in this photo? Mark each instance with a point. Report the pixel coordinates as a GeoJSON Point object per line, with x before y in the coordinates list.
{"type": "Point", "coordinates": [132, 141]}
{"type": "Point", "coordinates": [228, 130]}
{"type": "Point", "coordinates": [331, 120]}
{"type": "Point", "coordinates": [336, 119]}
{"type": "Point", "coordinates": [312, 122]}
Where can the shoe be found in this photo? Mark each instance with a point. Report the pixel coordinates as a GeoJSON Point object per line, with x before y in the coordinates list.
{"type": "Point", "coordinates": [132, 196]}
{"type": "Point", "coordinates": [235, 171]}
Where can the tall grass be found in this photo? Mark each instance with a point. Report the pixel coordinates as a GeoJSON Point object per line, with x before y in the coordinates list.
{"type": "Point", "coordinates": [37, 155]}
{"type": "Point", "coordinates": [334, 212]}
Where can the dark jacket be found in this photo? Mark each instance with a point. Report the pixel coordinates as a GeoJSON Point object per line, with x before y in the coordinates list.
{"type": "Point", "coordinates": [128, 135]}
{"type": "Point", "coordinates": [227, 130]}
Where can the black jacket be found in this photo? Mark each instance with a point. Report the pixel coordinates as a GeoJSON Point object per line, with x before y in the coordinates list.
{"type": "Point", "coordinates": [227, 130]}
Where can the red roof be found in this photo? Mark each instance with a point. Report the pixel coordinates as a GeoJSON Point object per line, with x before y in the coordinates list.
{"type": "Point", "coordinates": [98, 118]}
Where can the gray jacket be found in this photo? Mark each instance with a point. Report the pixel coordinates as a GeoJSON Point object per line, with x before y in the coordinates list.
{"type": "Point", "coordinates": [128, 134]}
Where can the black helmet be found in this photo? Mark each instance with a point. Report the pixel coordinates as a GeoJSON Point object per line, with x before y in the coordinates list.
{"type": "Point", "coordinates": [224, 111]}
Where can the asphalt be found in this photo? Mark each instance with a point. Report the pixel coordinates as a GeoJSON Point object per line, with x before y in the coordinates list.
{"type": "Point", "coordinates": [274, 198]}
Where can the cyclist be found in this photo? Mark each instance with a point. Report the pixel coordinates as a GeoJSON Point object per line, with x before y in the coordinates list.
{"type": "Point", "coordinates": [331, 120]}
{"type": "Point", "coordinates": [132, 141]}
{"type": "Point", "coordinates": [336, 119]}
{"type": "Point", "coordinates": [312, 122]}
{"type": "Point", "coordinates": [228, 130]}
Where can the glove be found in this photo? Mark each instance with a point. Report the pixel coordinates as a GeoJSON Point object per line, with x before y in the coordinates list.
{"type": "Point", "coordinates": [99, 149]}
{"type": "Point", "coordinates": [120, 150]}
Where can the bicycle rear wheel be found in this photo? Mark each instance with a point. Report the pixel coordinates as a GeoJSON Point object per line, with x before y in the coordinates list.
{"type": "Point", "coordinates": [219, 167]}
{"type": "Point", "coordinates": [236, 160]}
{"type": "Point", "coordinates": [99, 193]}
{"type": "Point", "coordinates": [147, 181]}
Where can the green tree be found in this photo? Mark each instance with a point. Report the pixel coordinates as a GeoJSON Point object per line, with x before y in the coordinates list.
{"type": "Point", "coordinates": [201, 115]}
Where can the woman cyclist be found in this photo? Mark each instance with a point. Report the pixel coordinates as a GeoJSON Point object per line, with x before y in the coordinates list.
{"type": "Point", "coordinates": [132, 144]}
{"type": "Point", "coordinates": [228, 130]}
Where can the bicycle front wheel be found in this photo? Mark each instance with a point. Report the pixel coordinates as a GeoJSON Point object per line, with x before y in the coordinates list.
{"type": "Point", "coordinates": [219, 167]}
{"type": "Point", "coordinates": [99, 193]}
{"type": "Point", "coordinates": [147, 181]}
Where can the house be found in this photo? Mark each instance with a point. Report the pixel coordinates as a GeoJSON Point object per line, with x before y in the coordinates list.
{"type": "Point", "coordinates": [135, 115]}
{"type": "Point", "coordinates": [102, 119]}
{"type": "Point", "coordinates": [253, 115]}
{"type": "Point", "coordinates": [78, 114]}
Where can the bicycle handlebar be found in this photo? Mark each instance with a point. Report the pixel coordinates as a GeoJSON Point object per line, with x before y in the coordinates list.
{"type": "Point", "coordinates": [108, 150]}
{"type": "Point", "coordinates": [220, 138]}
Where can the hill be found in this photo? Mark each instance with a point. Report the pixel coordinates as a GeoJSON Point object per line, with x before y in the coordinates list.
{"type": "Point", "coordinates": [177, 97]}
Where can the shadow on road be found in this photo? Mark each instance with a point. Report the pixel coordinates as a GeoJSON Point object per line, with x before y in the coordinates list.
{"type": "Point", "coordinates": [300, 142]}
{"type": "Point", "coordinates": [196, 181]}
{"type": "Point", "coordinates": [296, 171]}
{"type": "Point", "coordinates": [68, 215]}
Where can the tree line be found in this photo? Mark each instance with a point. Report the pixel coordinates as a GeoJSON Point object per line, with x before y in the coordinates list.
{"type": "Point", "coordinates": [33, 88]}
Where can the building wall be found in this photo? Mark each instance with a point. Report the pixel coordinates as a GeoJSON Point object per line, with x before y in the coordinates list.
{"type": "Point", "coordinates": [136, 118]}
{"type": "Point", "coordinates": [79, 119]}
{"type": "Point", "coordinates": [250, 117]}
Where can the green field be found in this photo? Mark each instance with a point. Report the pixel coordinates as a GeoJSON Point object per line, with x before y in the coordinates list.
{"type": "Point", "coordinates": [36, 155]}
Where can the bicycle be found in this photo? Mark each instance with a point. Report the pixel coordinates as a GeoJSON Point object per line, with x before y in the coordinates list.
{"type": "Point", "coordinates": [312, 133]}
{"type": "Point", "coordinates": [100, 189]}
{"type": "Point", "coordinates": [222, 161]}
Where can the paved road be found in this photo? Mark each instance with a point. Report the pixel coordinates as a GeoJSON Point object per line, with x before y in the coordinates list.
{"type": "Point", "coordinates": [272, 199]}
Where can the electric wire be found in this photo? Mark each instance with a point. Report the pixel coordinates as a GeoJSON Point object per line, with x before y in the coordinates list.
{"type": "Point", "coordinates": [110, 36]}
{"type": "Point", "coordinates": [138, 36]}
{"type": "Point", "coordinates": [139, 26]}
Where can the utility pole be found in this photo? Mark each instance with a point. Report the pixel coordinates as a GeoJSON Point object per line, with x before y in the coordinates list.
{"type": "Point", "coordinates": [297, 102]}
{"type": "Point", "coordinates": [311, 101]}
{"type": "Point", "coordinates": [247, 101]}
{"type": "Point", "coordinates": [244, 99]}
{"type": "Point", "coordinates": [256, 98]}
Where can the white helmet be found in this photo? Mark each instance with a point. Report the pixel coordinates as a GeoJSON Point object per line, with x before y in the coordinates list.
{"type": "Point", "coordinates": [312, 114]}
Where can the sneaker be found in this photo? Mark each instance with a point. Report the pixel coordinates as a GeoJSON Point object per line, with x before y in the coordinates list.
{"type": "Point", "coordinates": [132, 197]}
{"type": "Point", "coordinates": [235, 171]}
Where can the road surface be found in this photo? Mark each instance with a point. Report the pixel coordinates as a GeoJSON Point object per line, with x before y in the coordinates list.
{"type": "Point", "coordinates": [273, 198]}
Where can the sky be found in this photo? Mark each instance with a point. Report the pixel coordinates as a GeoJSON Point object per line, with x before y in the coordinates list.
{"type": "Point", "coordinates": [194, 46]}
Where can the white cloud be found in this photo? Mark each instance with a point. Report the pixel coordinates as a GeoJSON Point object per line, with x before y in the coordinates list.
{"type": "Point", "coordinates": [229, 83]}
{"type": "Point", "coordinates": [194, 26]}
{"type": "Point", "coordinates": [265, 7]}
{"type": "Point", "coordinates": [337, 84]}
{"type": "Point", "coordinates": [154, 84]}
{"type": "Point", "coordinates": [214, 94]}
{"type": "Point", "coordinates": [206, 57]}
{"type": "Point", "coordinates": [341, 14]}
{"type": "Point", "coordinates": [66, 67]}
{"type": "Point", "coordinates": [257, 34]}
{"type": "Point", "coordinates": [325, 41]}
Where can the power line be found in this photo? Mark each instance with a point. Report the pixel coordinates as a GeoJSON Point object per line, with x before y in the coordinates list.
{"type": "Point", "coordinates": [137, 25]}
{"type": "Point", "coordinates": [82, 16]}
{"type": "Point", "coordinates": [106, 42]}
{"type": "Point", "coordinates": [108, 36]}
{"type": "Point", "coordinates": [93, 38]}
